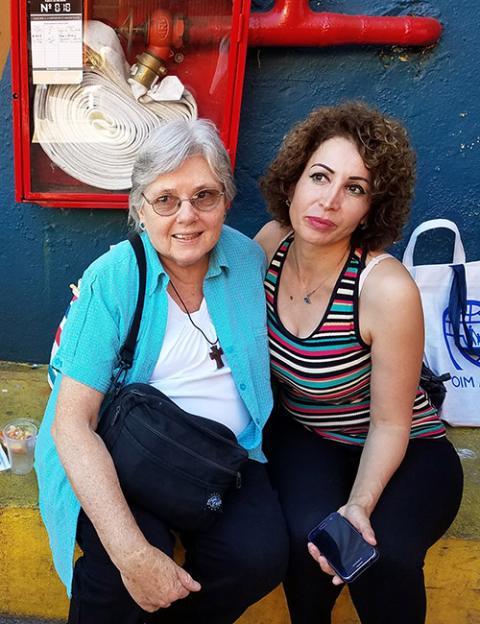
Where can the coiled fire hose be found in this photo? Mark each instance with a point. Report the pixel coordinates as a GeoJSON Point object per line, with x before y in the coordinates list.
{"type": "Point", "coordinates": [94, 130]}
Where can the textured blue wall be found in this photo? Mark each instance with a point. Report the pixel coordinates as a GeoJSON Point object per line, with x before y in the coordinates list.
{"type": "Point", "coordinates": [436, 92]}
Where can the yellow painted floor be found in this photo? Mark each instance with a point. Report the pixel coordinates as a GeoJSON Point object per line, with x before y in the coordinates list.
{"type": "Point", "coordinates": [452, 569]}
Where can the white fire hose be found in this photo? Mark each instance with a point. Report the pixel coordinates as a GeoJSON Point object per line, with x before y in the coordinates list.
{"type": "Point", "coordinates": [94, 130]}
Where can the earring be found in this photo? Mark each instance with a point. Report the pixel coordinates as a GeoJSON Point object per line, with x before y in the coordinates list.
{"type": "Point", "coordinates": [362, 225]}
{"type": "Point", "coordinates": [141, 225]}
{"type": "Point", "coordinates": [288, 202]}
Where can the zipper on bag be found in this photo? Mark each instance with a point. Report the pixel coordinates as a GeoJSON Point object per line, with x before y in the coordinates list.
{"type": "Point", "coordinates": [159, 402]}
{"type": "Point", "coordinates": [192, 453]}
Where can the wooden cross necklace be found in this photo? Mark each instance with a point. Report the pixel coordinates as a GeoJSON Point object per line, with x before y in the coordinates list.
{"type": "Point", "coordinates": [215, 352]}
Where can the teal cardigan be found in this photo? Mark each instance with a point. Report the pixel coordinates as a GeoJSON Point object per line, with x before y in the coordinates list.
{"type": "Point", "coordinates": [97, 326]}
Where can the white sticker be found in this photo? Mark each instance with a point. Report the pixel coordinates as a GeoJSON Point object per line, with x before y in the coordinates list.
{"type": "Point", "coordinates": [56, 41]}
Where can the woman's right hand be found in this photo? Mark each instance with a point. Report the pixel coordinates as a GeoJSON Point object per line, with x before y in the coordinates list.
{"type": "Point", "coordinates": [323, 563]}
{"type": "Point", "coordinates": [154, 580]}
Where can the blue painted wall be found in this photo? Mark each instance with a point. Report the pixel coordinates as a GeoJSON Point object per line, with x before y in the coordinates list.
{"type": "Point", "coordinates": [436, 92]}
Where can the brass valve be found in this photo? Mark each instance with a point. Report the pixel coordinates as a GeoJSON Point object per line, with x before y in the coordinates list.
{"type": "Point", "coordinates": [147, 69]}
{"type": "Point", "coordinates": [162, 32]}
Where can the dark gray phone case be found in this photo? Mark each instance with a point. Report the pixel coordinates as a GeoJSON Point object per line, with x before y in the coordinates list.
{"type": "Point", "coordinates": [339, 541]}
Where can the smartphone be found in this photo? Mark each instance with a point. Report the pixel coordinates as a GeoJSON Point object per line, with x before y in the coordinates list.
{"type": "Point", "coordinates": [343, 546]}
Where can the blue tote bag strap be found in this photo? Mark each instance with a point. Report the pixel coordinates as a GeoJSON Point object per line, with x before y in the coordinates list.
{"type": "Point", "coordinates": [457, 310]}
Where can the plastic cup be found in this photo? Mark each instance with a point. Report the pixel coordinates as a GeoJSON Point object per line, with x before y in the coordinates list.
{"type": "Point", "coordinates": [19, 436]}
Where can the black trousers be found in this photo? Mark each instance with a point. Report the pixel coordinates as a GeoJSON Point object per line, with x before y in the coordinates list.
{"type": "Point", "coordinates": [239, 560]}
{"type": "Point", "coordinates": [314, 477]}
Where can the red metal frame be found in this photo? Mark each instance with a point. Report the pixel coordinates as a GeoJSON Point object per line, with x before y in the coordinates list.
{"type": "Point", "coordinates": [289, 23]}
{"type": "Point", "coordinates": [236, 73]}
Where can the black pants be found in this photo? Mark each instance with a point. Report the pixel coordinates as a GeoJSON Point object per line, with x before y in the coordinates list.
{"type": "Point", "coordinates": [314, 477]}
{"type": "Point", "coordinates": [239, 560]}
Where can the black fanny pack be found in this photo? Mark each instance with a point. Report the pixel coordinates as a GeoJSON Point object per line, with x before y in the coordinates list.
{"type": "Point", "coordinates": [177, 465]}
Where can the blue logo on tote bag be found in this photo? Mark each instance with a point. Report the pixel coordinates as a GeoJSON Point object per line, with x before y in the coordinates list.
{"type": "Point", "coordinates": [472, 322]}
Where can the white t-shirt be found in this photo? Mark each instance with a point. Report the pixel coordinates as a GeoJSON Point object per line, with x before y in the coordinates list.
{"type": "Point", "coordinates": [187, 375]}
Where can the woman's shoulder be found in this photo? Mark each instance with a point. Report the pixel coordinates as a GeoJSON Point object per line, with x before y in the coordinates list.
{"type": "Point", "coordinates": [234, 242]}
{"type": "Point", "coordinates": [388, 276]}
{"type": "Point", "coordinates": [390, 302]}
{"type": "Point", "coordinates": [117, 252]}
{"type": "Point", "coordinates": [119, 258]}
{"type": "Point", "coordinates": [270, 236]}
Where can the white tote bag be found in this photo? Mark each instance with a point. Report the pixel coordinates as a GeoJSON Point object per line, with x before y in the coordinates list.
{"type": "Point", "coordinates": [451, 347]}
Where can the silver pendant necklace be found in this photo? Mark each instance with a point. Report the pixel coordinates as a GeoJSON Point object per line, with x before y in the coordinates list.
{"type": "Point", "coordinates": [307, 295]}
{"type": "Point", "coordinates": [215, 352]}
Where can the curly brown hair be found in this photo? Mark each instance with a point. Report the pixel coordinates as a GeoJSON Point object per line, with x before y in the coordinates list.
{"type": "Point", "coordinates": [385, 149]}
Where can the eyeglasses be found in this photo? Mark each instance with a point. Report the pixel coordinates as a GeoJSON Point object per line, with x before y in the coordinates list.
{"type": "Point", "coordinates": [166, 205]}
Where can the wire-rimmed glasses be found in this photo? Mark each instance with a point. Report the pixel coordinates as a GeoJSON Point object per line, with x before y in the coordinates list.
{"type": "Point", "coordinates": [168, 204]}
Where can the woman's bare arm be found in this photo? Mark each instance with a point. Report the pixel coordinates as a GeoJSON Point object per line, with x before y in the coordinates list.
{"type": "Point", "coordinates": [392, 322]}
{"type": "Point", "coordinates": [151, 577]}
{"type": "Point", "coordinates": [394, 327]}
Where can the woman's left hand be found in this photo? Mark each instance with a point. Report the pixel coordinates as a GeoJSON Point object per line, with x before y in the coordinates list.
{"type": "Point", "coordinates": [360, 519]}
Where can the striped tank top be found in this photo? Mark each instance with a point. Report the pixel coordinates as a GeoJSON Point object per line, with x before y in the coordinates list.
{"type": "Point", "coordinates": [324, 379]}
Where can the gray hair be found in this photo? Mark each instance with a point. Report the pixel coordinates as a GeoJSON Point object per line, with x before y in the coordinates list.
{"type": "Point", "coordinates": [164, 151]}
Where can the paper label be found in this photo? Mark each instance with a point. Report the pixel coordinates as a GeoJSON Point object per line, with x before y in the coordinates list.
{"type": "Point", "coordinates": [56, 41]}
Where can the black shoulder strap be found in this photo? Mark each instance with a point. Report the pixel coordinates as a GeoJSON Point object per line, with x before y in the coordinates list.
{"type": "Point", "coordinates": [128, 349]}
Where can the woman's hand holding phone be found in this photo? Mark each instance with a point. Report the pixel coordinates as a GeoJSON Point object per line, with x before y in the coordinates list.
{"type": "Point", "coordinates": [323, 563]}
{"type": "Point", "coordinates": [343, 548]}
{"type": "Point", "coordinates": [357, 515]}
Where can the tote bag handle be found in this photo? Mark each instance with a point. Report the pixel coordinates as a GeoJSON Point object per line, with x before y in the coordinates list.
{"type": "Point", "coordinates": [433, 224]}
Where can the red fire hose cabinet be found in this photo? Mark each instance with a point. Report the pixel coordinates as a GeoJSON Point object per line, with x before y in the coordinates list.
{"type": "Point", "coordinates": [91, 78]}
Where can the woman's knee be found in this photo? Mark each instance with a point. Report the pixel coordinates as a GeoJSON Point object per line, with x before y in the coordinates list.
{"type": "Point", "coordinates": [395, 574]}
{"type": "Point", "coordinates": [264, 563]}
{"type": "Point", "coordinates": [258, 566]}
{"type": "Point", "coordinates": [391, 590]}
{"type": "Point", "coordinates": [99, 595]}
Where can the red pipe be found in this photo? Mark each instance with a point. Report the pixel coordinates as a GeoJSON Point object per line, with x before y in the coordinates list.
{"type": "Point", "coordinates": [293, 23]}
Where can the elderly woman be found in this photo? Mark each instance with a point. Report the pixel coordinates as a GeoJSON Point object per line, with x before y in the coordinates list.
{"type": "Point", "coordinates": [352, 430]}
{"type": "Point", "coordinates": [204, 289]}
